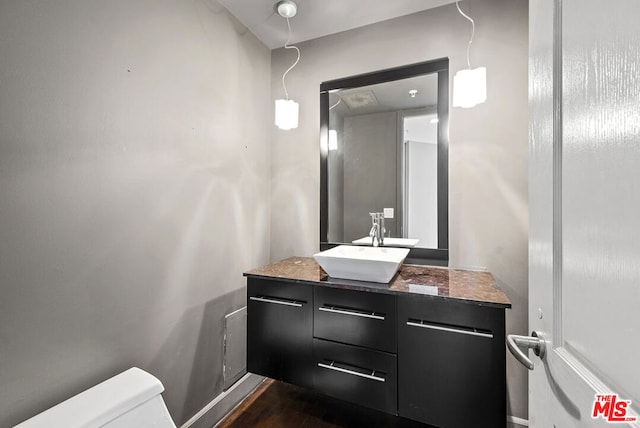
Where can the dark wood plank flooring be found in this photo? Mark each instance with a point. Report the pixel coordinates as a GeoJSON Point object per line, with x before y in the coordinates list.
{"type": "Point", "coordinates": [279, 405]}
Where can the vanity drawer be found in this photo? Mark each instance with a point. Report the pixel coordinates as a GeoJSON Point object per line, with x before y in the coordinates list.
{"type": "Point", "coordinates": [359, 375]}
{"type": "Point", "coordinates": [355, 317]}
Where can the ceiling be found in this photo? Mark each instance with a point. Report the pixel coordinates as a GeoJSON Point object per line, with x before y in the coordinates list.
{"type": "Point", "coordinates": [389, 96]}
{"type": "Point", "coordinates": [317, 18]}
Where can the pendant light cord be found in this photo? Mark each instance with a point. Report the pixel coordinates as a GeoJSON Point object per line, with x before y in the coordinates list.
{"type": "Point", "coordinates": [286, 46]}
{"type": "Point", "coordinates": [473, 31]}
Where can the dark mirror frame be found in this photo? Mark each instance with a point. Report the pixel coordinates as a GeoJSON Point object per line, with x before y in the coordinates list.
{"type": "Point", "coordinates": [438, 255]}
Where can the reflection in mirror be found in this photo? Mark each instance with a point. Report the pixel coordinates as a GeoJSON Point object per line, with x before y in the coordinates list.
{"type": "Point", "coordinates": [385, 150]}
{"type": "Point", "coordinates": [383, 142]}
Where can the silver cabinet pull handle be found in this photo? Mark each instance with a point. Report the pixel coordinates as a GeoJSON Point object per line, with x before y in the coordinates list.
{"type": "Point", "coordinates": [515, 342]}
{"type": "Point", "coordinates": [276, 301]}
{"type": "Point", "coordinates": [362, 314]}
{"type": "Point", "coordinates": [351, 372]}
{"type": "Point", "coordinates": [424, 324]}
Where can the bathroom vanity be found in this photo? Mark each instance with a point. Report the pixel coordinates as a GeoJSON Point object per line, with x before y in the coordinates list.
{"type": "Point", "coordinates": [428, 346]}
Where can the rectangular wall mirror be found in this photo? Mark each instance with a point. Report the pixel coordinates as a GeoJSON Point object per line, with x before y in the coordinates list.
{"type": "Point", "coordinates": [384, 148]}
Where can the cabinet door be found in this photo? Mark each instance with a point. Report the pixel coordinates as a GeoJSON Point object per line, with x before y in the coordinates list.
{"type": "Point", "coordinates": [279, 330]}
{"type": "Point", "coordinates": [451, 363]}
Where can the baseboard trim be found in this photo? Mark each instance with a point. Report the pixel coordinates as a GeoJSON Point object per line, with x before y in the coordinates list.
{"type": "Point", "coordinates": [213, 412]}
{"type": "Point", "coordinates": [517, 421]}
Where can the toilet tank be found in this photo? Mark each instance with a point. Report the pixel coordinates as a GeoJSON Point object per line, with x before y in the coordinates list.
{"type": "Point", "coordinates": [130, 399]}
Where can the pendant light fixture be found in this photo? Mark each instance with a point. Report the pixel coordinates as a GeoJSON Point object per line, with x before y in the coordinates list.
{"type": "Point", "coordinates": [470, 85]}
{"type": "Point", "coordinates": [286, 109]}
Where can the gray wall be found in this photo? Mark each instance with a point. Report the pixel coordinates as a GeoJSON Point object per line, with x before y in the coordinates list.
{"type": "Point", "coordinates": [370, 171]}
{"type": "Point", "coordinates": [488, 220]}
{"type": "Point", "coordinates": [134, 192]}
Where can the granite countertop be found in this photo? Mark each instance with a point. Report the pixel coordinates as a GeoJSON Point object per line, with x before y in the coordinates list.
{"type": "Point", "coordinates": [456, 284]}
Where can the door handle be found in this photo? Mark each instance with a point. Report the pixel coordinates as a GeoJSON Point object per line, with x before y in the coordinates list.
{"type": "Point", "coordinates": [535, 342]}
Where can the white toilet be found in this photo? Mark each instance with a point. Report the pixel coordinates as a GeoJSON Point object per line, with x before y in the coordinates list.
{"type": "Point", "coordinates": [130, 399]}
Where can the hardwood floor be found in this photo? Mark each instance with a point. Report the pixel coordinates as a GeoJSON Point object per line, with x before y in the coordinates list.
{"type": "Point", "coordinates": [279, 405]}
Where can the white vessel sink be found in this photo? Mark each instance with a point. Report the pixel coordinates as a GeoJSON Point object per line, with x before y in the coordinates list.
{"type": "Point", "coordinates": [375, 264]}
{"type": "Point", "coordinates": [390, 242]}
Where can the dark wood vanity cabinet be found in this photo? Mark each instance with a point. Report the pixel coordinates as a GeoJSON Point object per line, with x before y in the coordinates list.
{"type": "Point", "coordinates": [279, 330]}
{"type": "Point", "coordinates": [433, 360]}
{"type": "Point", "coordinates": [451, 363]}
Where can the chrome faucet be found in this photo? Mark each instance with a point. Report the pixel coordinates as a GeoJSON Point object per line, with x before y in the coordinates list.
{"type": "Point", "coordinates": [377, 229]}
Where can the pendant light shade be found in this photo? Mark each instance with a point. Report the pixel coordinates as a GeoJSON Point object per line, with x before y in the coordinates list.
{"type": "Point", "coordinates": [470, 87]}
{"type": "Point", "coordinates": [286, 114]}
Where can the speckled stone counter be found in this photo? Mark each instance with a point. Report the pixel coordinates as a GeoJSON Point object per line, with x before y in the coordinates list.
{"type": "Point", "coordinates": [461, 285]}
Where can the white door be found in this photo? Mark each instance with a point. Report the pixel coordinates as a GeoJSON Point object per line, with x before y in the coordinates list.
{"type": "Point", "coordinates": [584, 195]}
{"type": "Point", "coordinates": [421, 201]}
{"type": "Point", "coordinates": [420, 176]}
